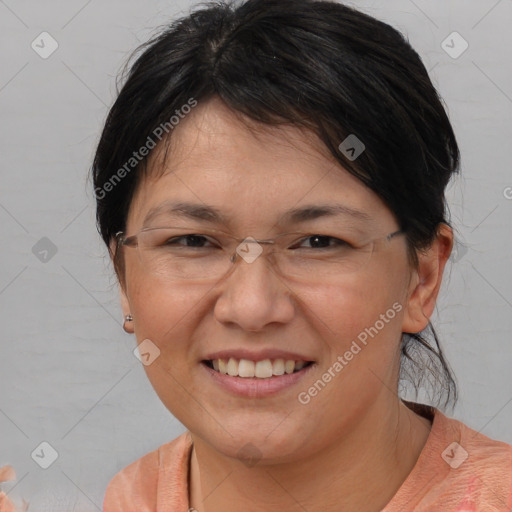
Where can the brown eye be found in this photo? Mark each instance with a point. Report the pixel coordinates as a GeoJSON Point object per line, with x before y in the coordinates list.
{"type": "Point", "coordinates": [194, 240]}
{"type": "Point", "coordinates": [322, 241]}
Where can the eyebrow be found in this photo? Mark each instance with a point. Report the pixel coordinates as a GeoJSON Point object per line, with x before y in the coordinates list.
{"type": "Point", "coordinates": [213, 215]}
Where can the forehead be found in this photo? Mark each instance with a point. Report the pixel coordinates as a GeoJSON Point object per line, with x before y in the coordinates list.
{"type": "Point", "coordinates": [222, 168]}
{"type": "Point", "coordinates": [212, 134]}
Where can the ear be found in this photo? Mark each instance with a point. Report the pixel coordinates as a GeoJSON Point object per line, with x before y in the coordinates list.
{"type": "Point", "coordinates": [125, 303]}
{"type": "Point", "coordinates": [426, 281]}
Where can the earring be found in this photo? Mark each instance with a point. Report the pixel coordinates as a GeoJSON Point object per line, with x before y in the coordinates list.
{"type": "Point", "coordinates": [127, 319]}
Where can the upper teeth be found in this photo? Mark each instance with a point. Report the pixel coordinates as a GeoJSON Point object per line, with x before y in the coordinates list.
{"type": "Point", "coordinates": [260, 369]}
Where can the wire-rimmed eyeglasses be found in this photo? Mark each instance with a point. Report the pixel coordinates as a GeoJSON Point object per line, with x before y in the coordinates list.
{"type": "Point", "coordinates": [182, 252]}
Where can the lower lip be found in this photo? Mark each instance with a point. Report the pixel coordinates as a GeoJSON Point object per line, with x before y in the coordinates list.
{"type": "Point", "coordinates": [254, 387]}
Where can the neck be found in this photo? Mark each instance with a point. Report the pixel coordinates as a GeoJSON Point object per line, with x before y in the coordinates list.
{"type": "Point", "coordinates": [361, 471]}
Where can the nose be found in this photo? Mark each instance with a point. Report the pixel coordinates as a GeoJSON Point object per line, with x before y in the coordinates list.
{"type": "Point", "coordinates": [253, 295]}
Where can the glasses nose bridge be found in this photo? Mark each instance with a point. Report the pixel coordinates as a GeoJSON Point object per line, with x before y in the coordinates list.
{"type": "Point", "coordinates": [249, 240]}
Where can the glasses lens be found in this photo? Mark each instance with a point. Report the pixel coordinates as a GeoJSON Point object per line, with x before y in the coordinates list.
{"type": "Point", "coordinates": [320, 257]}
{"type": "Point", "coordinates": [181, 253]}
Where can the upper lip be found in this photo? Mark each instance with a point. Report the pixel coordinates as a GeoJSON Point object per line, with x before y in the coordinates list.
{"type": "Point", "coordinates": [257, 356]}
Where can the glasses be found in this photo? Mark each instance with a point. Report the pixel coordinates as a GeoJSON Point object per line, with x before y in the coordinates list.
{"type": "Point", "coordinates": [179, 253]}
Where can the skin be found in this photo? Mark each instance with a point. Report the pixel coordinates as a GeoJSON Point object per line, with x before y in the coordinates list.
{"type": "Point", "coordinates": [354, 444]}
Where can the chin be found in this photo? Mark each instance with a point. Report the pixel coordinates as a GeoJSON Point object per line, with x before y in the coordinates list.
{"type": "Point", "coordinates": [252, 443]}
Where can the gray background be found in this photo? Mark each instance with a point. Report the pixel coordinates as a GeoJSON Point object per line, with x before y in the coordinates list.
{"type": "Point", "coordinates": [67, 372]}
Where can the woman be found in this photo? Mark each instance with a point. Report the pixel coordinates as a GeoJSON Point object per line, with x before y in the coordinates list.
{"type": "Point", "coordinates": [270, 185]}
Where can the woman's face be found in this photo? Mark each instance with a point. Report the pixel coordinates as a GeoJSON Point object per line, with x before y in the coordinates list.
{"type": "Point", "coordinates": [254, 312]}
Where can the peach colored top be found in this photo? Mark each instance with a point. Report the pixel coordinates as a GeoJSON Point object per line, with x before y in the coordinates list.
{"type": "Point", "coordinates": [458, 470]}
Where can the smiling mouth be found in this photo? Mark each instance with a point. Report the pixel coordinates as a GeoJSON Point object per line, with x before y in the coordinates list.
{"type": "Point", "coordinates": [265, 369]}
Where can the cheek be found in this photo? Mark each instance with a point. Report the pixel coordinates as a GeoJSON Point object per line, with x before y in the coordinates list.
{"type": "Point", "coordinates": [348, 309]}
{"type": "Point", "coordinates": [168, 318]}
{"type": "Point", "coordinates": [360, 330]}
{"type": "Point", "coordinates": [163, 313]}
{"type": "Point", "coordinates": [361, 324]}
